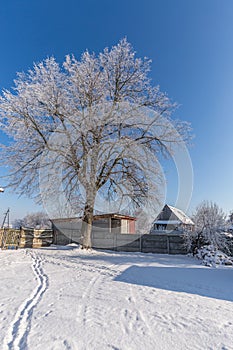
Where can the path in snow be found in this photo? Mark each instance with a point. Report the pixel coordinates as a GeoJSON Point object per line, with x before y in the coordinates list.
{"type": "Point", "coordinates": [91, 314]}
{"type": "Point", "coordinates": [17, 334]}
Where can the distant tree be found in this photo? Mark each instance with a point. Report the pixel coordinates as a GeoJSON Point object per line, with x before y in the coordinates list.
{"type": "Point", "coordinates": [38, 220]}
{"type": "Point", "coordinates": [210, 224]}
{"type": "Point", "coordinates": [106, 144]}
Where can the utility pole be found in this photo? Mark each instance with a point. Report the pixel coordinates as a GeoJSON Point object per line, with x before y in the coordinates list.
{"type": "Point", "coordinates": [6, 218]}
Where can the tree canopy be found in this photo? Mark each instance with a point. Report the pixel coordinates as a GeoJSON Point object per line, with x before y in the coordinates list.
{"type": "Point", "coordinates": [100, 120]}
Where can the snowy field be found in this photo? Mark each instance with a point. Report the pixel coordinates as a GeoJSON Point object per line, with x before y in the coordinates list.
{"type": "Point", "coordinates": [57, 298]}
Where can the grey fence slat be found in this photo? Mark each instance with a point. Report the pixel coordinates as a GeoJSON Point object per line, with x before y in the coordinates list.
{"type": "Point", "coordinates": [177, 251]}
{"type": "Point", "coordinates": [101, 234]}
{"type": "Point", "coordinates": [173, 239]}
{"type": "Point", "coordinates": [127, 249]}
{"type": "Point", "coordinates": [124, 241]}
{"type": "Point", "coordinates": [154, 250]}
{"type": "Point", "coordinates": [175, 245]}
{"type": "Point", "coordinates": [153, 238]}
{"type": "Point", "coordinates": [163, 243]}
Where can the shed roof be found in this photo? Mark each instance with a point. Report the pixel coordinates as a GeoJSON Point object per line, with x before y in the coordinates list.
{"type": "Point", "coordinates": [98, 217]}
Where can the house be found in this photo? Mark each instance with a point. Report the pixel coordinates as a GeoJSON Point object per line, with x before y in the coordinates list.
{"type": "Point", "coordinates": [67, 230]}
{"type": "Point", "coordinates": [172, 218]}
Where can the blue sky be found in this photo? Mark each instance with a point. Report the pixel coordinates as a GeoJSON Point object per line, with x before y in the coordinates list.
{"type": "Point", "coordinates": [190, 43]}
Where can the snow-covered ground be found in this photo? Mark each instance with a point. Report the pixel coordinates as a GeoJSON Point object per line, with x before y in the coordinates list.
{"type": "Point", "coordinates": [56, 298]}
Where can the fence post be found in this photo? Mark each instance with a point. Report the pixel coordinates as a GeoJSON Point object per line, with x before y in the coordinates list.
{"type": "Point", "coordinates": [168, 245]}
{"type": "Point", "coordinates": [140, 243]}
{"type": "Point", "coordinates": [115, 241]}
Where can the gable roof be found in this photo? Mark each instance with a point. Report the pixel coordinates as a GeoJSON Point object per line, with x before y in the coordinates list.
{"type": "Point", "coordinates": [181, 215]}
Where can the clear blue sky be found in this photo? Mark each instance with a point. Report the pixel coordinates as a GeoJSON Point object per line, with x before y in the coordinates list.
{"type": "Point", "coordinates": [190, 43]}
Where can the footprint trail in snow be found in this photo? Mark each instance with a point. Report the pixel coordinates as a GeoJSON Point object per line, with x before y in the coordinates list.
{"type": "Point", "coordinates": [16, 338]}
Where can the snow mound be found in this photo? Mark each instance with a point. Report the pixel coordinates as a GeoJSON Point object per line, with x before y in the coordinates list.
{"type": "Point", "coordinates": [211, 256]}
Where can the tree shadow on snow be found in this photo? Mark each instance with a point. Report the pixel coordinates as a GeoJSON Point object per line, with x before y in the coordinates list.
{"type": "Point", "coordinates": [211, 283]}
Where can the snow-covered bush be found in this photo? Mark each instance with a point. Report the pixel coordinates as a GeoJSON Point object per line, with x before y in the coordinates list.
{"type": "Point", "coordinates": [210, 222]}
{"type": "Point", "coordinates": [212, 256]}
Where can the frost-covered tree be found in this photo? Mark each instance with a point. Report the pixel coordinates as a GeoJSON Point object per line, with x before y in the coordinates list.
{"type": "Point", "coordinates": [37, 220]}
{"type": "Point", "coordinates": [91, 115]}
{"type": "Point", "coordinates": [230, 218]}
{"type": "Point", "coordinates": [210, 223]}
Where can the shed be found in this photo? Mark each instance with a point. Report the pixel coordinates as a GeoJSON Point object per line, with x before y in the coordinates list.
{"type": "Point", "coordinates": [67, 230]}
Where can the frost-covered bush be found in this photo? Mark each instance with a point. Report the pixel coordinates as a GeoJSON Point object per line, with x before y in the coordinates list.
{"type": "Point", "coordinates": [212, 256]}
{"type": "Point", "coordinates": [210, 222]}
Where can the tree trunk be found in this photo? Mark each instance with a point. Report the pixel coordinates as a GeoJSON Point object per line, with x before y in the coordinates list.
{"type": "Point", "coordinates": [87, 222]}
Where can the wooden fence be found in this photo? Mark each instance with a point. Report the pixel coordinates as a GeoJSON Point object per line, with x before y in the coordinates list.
{"type": "Point", "coordinates": [25, 238]}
